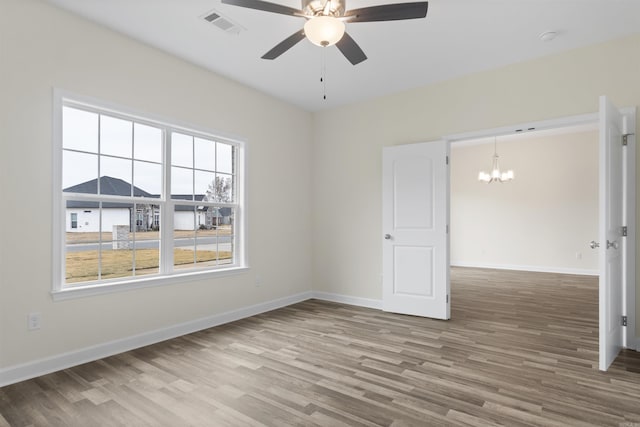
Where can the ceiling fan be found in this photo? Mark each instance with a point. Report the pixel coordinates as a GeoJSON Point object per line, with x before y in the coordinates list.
{"type": "Point", "coordinates": [326, 19]}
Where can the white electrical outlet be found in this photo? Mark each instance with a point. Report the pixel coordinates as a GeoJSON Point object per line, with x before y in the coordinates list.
{"type": "Point", "coordinates": [578, 255]}
{"type": "Point", "coordinates": [258, 280]}
{"type": "Point", "coordinates": [33, 321]}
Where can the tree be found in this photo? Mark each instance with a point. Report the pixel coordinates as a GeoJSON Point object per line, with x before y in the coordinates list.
{"type": "Point", "coordinates": [219, 190]}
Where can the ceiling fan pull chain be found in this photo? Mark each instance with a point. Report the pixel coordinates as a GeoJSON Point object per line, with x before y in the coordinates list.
{"type": "Point", "coordinates": [323, 75]}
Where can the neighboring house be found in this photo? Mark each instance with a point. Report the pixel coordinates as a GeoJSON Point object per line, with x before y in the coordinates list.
{"type": "Point", "coordinates": [84, 216]}
{"type": "Point", "coordinates": [206, 217]}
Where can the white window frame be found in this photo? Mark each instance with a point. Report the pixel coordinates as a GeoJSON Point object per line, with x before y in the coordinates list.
{"type": "Point", "coordinates": [59, 291]}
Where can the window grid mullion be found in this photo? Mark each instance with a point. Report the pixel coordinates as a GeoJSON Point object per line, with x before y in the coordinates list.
{"type": "Point", "coordinates": [166, 212]}
{"type": "Point", "coordinates": [99, 190]}
{"type": "Point", "coordinates": [135, 205]}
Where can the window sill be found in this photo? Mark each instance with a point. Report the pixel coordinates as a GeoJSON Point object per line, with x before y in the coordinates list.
{"type": "Point", "coordinates": [115, 287]}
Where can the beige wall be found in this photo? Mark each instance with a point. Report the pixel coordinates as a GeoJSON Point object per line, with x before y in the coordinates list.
{"type": "Point", "coordinates": [42, 47]}
{"type": "Point", "coordinates": [539, 221]}
{"type": "Point", "coordinates": [348, 143]}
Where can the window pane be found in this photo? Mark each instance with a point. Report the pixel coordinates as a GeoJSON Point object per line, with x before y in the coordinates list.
{"type": "Point", "coordinates": [184, 224]}
{"type": "Point", "coordinates": [184, 219]}
{"type": "Point", "coordinates": [147, 143]}
{"type": "Point", "coordinates": [147, 179]}
{"type": "Point", "coordinates": [79, 172]}
{"type": "Point", "coordinates": [115, 136]}
{"type": "Point", "coordinates": [115, 176]}
{"type": "Point", "coordinates": [147, 257]}
{"type": "Point", "coordinates": [87, 220]}
{"type": "Point", "coordinates": [181, 183]}
{"type": "Point", "coordinates": [79, 130]}
{"type": "Point", "coordinates": [181, 150]}
{"type": "Point", "coordinates": [205, 185]}
{"type": "Point", "coordinates": [147, 239]}
{"type": "Point", "coordinates": [225, 220]}
{"type": "Point", "coordinates": [222, 189]}
{"type": "Point", "coordinates": [81, 265]}
{"type": "Point", "coordinates": [206, 241]}
{"type": "Point", "coordinates": [224, 158]}
{"type": "Point", "coordinates": [82, 242]}
{"type": "Point", "coordinates": [117, 257]}
{"type": "Point", "coordinates": [143, 219]}
{"type": "Point", "coordinates": [205, 154]}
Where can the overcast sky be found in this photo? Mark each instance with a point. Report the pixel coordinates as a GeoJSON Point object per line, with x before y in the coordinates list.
{"type": "Point", "coordinates": [133, 152]}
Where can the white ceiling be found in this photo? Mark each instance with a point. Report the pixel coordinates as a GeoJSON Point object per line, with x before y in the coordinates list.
{"type": "Point", "coordinates": [457, 37]}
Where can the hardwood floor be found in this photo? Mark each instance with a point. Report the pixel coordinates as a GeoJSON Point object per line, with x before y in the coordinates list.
{"type": "Point", "coordinates": [521, 349]}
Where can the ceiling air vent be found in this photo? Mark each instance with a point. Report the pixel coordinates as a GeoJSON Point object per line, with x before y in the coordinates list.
{"type": "Point", "coordinates": [225, 24]}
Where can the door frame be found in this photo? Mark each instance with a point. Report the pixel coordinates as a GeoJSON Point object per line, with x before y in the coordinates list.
{"type": "Point", "coordinates": [629, 207]}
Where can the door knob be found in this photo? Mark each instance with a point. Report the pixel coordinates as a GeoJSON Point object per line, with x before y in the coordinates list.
{"type": "Point", "coordinates": [594, 244]}
{"type": "Point", "coordinates": [613, 244]}
{"type": "Point", "coordinates": [387, 236]}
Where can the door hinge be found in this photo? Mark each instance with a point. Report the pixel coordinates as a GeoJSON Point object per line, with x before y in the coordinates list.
{"type": "Point", "coordinates": [447, 228]}
{"type": "Point", "coordinates": [624, 231]}
{"type": "Point", "coordinates": [448, 158]}
{"type": "Point", "coordinates": [447, 298]}
{"type": "Point", "coordinates": [624, 320]}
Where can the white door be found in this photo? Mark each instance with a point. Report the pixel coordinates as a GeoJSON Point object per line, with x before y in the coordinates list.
{"type": "Point", "coordinates": [415, 250]}
{"type": "Point", "coordinates": [610, 232]}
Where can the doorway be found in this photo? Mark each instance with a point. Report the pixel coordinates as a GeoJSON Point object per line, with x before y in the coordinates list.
{"type": "Point", "coordinates": [544, 219]}
{"type": "Point", "coordinates": [616, 159]}
{"type": "Point", "coordinates": [616, 209]}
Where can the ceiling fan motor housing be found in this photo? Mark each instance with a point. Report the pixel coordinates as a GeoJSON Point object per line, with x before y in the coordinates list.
{"type": "Point", "coordinates": [317, 7]}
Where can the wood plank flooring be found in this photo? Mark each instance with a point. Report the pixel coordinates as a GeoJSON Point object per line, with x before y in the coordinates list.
{"type": "Point", "coordinates": [521, 350]}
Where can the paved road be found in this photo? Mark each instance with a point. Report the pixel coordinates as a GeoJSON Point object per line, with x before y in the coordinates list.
{"type": "Point", "coordinates": [153, 244]}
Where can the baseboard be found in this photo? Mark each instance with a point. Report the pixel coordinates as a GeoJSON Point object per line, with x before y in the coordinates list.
{"type": "Point", "coordinates": [17, 373]}
{"type": "Point", "coordinates": [534, 268]}
{"type": "Point", "coordinates": [346, 299]}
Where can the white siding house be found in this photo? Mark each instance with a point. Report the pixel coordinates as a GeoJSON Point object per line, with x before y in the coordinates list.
{"type": "Point", "coordinates": [81, 220]}
{"type": "Point", "coordinates": [84, 216]}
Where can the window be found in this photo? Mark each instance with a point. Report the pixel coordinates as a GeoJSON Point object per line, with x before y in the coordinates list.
{"type": "Point", "coordinates": [158, 200]}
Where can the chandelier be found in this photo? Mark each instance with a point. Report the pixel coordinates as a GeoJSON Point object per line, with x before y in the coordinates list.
{"type": "Point", "coordinates": [495, 175]}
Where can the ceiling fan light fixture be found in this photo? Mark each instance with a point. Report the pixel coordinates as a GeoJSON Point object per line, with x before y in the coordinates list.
{"type": "Point", "coordinates": [324, 30]}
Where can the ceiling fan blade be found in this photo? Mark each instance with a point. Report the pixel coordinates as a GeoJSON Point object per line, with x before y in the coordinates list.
{"type": "Point", "coordinates": [265, 6]}
{"type": "Point", "coordinates": [351, 50]}
{"type": "Point", "coordinates": [284, 45]}
{"type": "Point", "coordinates": [388, 12]}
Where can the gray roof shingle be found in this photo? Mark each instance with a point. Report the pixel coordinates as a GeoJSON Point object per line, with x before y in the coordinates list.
{"type": "Point", "coordinates": [108, 185]}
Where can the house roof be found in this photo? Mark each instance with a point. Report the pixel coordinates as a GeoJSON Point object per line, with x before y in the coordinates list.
{"type": "Point", "coordinates": [108, 185]}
